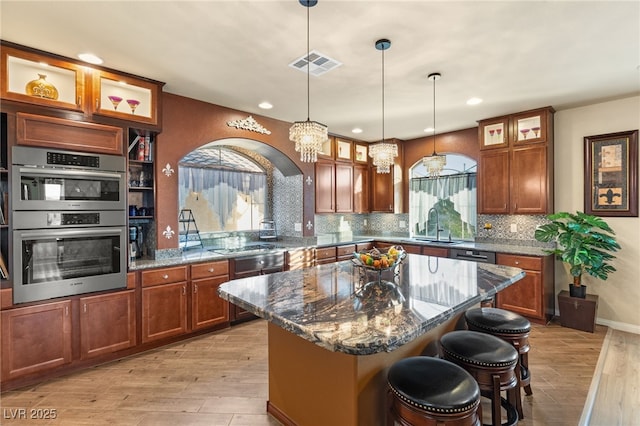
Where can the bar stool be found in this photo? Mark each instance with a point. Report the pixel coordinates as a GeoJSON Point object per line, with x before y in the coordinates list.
{"type": "Point", "coordinates": [429, 391]}
{"type": "Point", "coordinates": [512, 328]}
{"type": "Point", "coordinates": [492, 362]}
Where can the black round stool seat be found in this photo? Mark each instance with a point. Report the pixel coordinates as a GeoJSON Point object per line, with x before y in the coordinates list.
{"type": "Point", "coordinates": [430, 390]}
{"type": "Point", "coordinates": [479, 349]}
{"type": "Point", "coordinates": [494, 320]}
{"type": "Point", "coordinates": [492, 362]}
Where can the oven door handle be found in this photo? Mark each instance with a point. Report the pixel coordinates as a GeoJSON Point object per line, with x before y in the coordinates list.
{"type": "Point", "coordinates": [67, 233]}
{"type": "Point", "coordinates": [69, 173]}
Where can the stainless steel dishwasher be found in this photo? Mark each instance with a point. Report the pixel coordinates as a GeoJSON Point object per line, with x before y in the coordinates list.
{"type": "Point", "coordinates": [473, 255]}
{"type": "Point", "coordinates": [251, 266]}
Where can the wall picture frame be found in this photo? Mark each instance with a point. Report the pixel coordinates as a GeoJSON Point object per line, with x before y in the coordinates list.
{"type": "Point", "coordinates": [611, 174]}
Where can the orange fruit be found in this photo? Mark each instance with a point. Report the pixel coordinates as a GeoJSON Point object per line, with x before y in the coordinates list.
{"type": "Point", "coordinates": [376, 263]}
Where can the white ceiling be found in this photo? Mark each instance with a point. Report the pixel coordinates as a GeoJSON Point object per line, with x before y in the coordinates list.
{"type": "Point", "coordinates": [516, 55]}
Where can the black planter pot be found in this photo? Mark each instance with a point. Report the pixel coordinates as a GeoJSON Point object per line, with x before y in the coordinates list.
{"type": "Point", "coordinates": [578, 291]}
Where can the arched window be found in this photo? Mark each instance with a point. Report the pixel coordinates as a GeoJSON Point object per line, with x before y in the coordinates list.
{"type": "Point", "coordinates": [444, 207]}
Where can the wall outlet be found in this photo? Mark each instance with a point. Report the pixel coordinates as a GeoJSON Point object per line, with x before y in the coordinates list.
{"type": "Point", "coordinates": [514, 227]}
{"type": "Point", "coordinates": [365, 222]}
{"type": "Point", "coordinates": [402, 224]}
{"type": "Point", "coordinates": [297, 227]}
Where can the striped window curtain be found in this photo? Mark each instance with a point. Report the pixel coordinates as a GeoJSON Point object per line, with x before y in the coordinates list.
{"type": "Point", "coordinates": [453, 197]}
{"type": "Point", "coordinates": [225, 200]}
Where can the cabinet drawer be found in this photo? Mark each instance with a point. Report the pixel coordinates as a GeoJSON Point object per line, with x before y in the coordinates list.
{"type": "Point", "coordinates": [364, 246]}
{"type": "Point", "coordinates": [210, 269]}
{"type": "Point", "coordinates": [325, 253]}
{"type": "Point", "coordinates": [346, 251]}
{"type": "Point", "coordinates": [164, 276]}
{"type": "Point", "coordinates": [522, 262]}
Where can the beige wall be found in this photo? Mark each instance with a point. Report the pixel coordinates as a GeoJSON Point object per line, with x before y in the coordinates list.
{"type": "Point", "coordinates": [619, 295]}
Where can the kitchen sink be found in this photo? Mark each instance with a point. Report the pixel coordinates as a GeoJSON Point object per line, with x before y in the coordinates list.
{"type": "Point", "coordinates": [430, 240]}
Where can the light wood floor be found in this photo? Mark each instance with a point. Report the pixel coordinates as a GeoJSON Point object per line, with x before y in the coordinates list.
{"type": "Point", "coordinates": [221, 379]}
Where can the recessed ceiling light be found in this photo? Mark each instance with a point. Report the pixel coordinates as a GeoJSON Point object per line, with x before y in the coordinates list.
{"type": "Point", "coordinates": [91, 58]}
{"type": "Point", "coordinates": [356, 130]}
{"type": "Point", "coordinates": [474, 101]}
{"type": "Point", "coordinates": [265, 105]}
{"type": "Point", "coordinates": [429, 129]}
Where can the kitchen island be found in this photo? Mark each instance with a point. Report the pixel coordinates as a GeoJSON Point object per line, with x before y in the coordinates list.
{"type": "Point", "coordinates": [335, 329]}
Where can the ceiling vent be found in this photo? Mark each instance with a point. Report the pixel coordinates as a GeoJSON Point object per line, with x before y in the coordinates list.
{"type": "Point", "coordinates": [318, 62]}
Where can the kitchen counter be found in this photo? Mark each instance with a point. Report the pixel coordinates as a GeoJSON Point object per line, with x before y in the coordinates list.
{"type": "Point", "coordinates": [326, 240]}
{"type": "Point", "coordinates": [337, 321]}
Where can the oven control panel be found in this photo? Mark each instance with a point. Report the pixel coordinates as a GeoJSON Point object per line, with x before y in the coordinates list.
{"type": "Point", "coordinates": [67, 159]}
{"type": "Point", "coordinates": [62, 219]}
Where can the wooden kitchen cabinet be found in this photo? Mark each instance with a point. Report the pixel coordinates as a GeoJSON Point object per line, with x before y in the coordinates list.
{"type": "Point", "coordinates": [207, 308]}
{"type": "Point", "coordinates": [382, 197]}
{"type": "Point", "coordinates": [325, 255]}
{"type": "Point", "coordinates": [52, 132]}
{"type": "Point", "coordinates": [515, 171]}
{"type": "Point", "coordinates": [360, 189]}
{"type": "Point", "coordinates": [57, 83]}
{"type": "Point", "coordinates": [533, 296]}
{"type": "Point", "coordinates": [164, 303]}
{"type": "Point", "coordinates": [300, 258]}
{"type": "Point", "coordinates": [325, 187]}
{"type": "Point", "coordinates": [334, 187]}
{"type": "Point", "coordinates": [107, 323]}
{"type": "Point", "coordinates": [345, 252]}
{"type": "Point", "coordinates": [35, 339]}
{"type": "Point", "coordinates": [125, 97]}
{"type": "Point", "coordinates": [434, 251]}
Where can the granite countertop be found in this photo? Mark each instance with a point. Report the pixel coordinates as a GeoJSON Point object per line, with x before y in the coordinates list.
{"type": "Point", "coordinates": [204, 255]}
{"type": "Point", "coordinates": [344, 308]}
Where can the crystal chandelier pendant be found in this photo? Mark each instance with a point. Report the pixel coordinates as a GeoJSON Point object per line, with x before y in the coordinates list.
{"type": "Point", "coordinates": [383, 155]}
{"type": "Point", "coordinates": [308, 137]}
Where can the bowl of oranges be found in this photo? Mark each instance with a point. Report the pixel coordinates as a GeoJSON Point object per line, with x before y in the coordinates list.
{"type": "Point", "coordinates": [379, 260]}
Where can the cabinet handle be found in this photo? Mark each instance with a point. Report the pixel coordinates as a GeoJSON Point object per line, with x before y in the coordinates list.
{"type": "Point", "coordinates": [211, 269]}
{"type": "Point", "coordinates": [390, 207]}
{"type": "Point", "coordinates": [79, 100]}
{"type": "Point", "coordinates": [165, 276]}
{"type": "Point", "coordinates": [84, 307]}
{"type": "Point", "coordinates": [97, 103]}
{"type": "Point", "coordinates": [195, 288]}
{"type": "Point", "coordinates": [66, 311]}
{"type": "Point", "coordinates": [184, 290]}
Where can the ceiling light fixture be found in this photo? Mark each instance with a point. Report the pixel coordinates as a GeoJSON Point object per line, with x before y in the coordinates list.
{"type": "Point", "coordinates": [308, 135]}
{"type": "Point", "coordinates": [434, 163]}
{"type": "Point", "coordinates": [265, 105]}
{"type": "Point", "coordinates": [90, 58]}
{"type": "Point", "coordinates": [383, 153]}
{"type": "Point", "coordinates": [474, 101]}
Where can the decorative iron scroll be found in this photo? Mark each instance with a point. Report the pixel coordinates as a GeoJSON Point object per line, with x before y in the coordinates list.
{"type": "Point", "coordinates": [248, 123]}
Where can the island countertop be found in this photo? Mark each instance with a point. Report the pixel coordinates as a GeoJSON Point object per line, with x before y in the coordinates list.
{"type": "Point", "coordinates": [345, 308]}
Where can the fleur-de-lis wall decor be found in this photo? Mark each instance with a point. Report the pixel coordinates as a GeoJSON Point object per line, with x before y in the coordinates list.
{"type": "Point", "coordinates": [167, 170]}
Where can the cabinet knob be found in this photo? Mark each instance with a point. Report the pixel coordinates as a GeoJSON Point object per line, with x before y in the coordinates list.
{"type": "Point", "coordinates": [517, 262]}
{"type": "Point", "coordinates": [195, 288]}
{"type": "Point", "coordinates": [184, 290]}
{"type": "Point", "coordinates": [211, 269]}
{"type": "Point", "coordinates": [165, 276]}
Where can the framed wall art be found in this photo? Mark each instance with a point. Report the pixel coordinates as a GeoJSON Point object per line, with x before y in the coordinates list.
{"type": "Point", "coordinates": [611, 174]}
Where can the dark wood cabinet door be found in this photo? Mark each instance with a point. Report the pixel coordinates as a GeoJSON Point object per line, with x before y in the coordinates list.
{"type": "Point", "coordinates": [493, 182]}
{"type": "Point", "coordinates": [107, 323]}
{"type": "Point", "coordinates": [344, 188]}
{"type": "Point", "coordinates": [325, 187]}
{"type": "Point", "coordinates": [208, 309]}
{"type": "Point", "coordinates": [360, 189]}
{"type": "Point", "coordinates": [35, 339]}
{"type": "Point", "coordinates": [529, 182]}
{"type": "Point", "coordinates": [523, 297]}
{"type": "Point", "coordinates": [382, 191]}
{"type": "Point", "coordinates": [164, 311]}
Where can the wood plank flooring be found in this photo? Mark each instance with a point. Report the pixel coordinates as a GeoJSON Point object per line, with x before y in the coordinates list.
{"type": "Point", "coordinates": [221, 379]}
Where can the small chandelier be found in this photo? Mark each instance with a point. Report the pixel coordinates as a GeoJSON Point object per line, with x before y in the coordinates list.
{"type": "Point", "coordinates": [308, 135]}
{"type": "Point", "coordinates": [383, 153]}
{"type": "Point", "coordinates": [434, 163]}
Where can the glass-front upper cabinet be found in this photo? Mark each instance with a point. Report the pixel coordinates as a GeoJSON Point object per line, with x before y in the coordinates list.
{"type": "Point", "coordinates": [125, 97]}
{"type": "Point", "coordinates": [37, 79]}
{"type": "Point", "coordinates": [529, 127]}
{"type": "Point", "coordinates": [494, 133]}
{"type": "Point", "coordinates": [517, 129]}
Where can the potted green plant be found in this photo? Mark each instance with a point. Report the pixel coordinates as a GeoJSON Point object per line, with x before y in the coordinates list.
{"type": "Point", "coordinates": [584, 242]}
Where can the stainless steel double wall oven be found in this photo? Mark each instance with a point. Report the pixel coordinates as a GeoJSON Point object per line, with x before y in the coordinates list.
{"type": "Point", "coordinates": [69, 223]}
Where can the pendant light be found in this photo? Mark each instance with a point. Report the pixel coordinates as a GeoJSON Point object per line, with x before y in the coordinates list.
{"type": "Point", "coordinates": [383, 153]}
{"type": "Point", "coordinates": [308, 135]}
{"type": "Point", "coordinates": [434, 163]}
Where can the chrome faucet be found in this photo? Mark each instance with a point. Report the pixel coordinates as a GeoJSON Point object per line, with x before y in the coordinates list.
{"type": "Point", "coordinates": [438, 229]}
